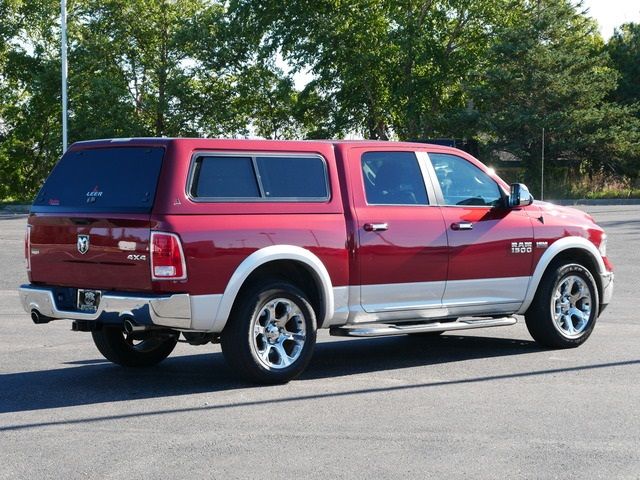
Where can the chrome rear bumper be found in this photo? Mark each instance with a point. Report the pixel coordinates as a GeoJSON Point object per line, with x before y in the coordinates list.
{"type": "Point", "coordinates": [173, 311]}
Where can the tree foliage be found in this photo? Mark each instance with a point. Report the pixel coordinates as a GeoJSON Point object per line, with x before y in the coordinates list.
{"type": "Point", "coordinates": [624, 49]}
{"type": "Point", "coordinates": [548, 69]}
{"type": "Point", "coordinates": [497, 71]}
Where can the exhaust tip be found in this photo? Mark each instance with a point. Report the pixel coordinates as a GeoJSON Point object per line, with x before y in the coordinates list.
{"type": "Point", "coordinates": [128, 325]}
{"type": "Point", "coordinates": [38, 318]}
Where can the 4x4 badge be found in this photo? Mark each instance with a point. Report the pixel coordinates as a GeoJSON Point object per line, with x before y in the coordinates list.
{"type": "Point", "coordinates": [83, 244]}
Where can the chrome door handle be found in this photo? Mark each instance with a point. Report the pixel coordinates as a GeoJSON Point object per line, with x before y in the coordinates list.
{"type": "Point", "coordinates": [376, 227]}
{"type": "Point", "coordinates": [462, 226]}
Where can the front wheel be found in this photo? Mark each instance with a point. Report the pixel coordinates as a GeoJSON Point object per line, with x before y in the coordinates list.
{"type": "Point", "coordinates": [134, 350]}
{"type": "Point", "coordinates": [271, 334]}
{"type": "Point", "coordinates": [564, 311]}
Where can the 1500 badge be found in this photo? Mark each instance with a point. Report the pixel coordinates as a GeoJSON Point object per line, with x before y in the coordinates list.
{"type": "Point", "coordinates": [521, 247]}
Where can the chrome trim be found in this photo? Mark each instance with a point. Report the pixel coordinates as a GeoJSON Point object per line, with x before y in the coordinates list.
{"type": "Point", "coordinates": [253, 155]}
{"type": "Point", "coordinates": [172, 311]}
{"type": "Point", "coordinates": [425, 168]}
{"type": "Point", "coordinates": [376, 227]}
{"type": "Point", "coordinates": [379, 330]}
{"type": "Point", "coordinates": [461, 226]}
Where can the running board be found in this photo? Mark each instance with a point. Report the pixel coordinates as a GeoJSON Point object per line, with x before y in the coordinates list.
{"type": "Point", "coordinates": [384, 329]}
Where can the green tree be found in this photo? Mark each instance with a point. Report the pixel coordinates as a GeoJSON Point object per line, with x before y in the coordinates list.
{"type": "Point", "coordinates": [380, 67]}
{"type": "Point", "coordinates": [134, 69]}
{"type": "Point", "coordinates": [29, 96]}
{"type": "Point", "coordinates": [624, 50]}
{"type": "Point", "coordinates": [548, 69]}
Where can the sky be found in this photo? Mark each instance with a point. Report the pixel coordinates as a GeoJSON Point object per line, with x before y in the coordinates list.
{"type": "Point", "coordinates": [613, 13]}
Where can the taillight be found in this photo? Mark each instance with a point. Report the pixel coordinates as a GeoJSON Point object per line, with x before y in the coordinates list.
{"type": "Point", "coordinates": [27, 248]}
{"type": "Point", "coordinates": [167, 257]}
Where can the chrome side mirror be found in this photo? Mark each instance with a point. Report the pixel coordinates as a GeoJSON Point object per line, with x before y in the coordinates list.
{"type": "Point", "coordinates": [519, 196]}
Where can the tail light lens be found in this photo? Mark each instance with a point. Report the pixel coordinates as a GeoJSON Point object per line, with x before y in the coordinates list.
{"type": "Point", "coordinates": [167, 257]}
{"type": "Point", "coordinates": [27, 248]}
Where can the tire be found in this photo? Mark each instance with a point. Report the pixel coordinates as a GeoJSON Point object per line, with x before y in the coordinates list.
{"type": "Point", "coordinates": [565, 308]}
{"type": "Point", "coordinates": [271, 333]}
{"type": "Point", "coordinates": [141, 350]}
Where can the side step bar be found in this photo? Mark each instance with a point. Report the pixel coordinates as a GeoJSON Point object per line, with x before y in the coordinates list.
{"type": "Point", "coordinates": [384, 329]}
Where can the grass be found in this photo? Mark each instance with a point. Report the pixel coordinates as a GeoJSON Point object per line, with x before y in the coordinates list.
{"type": "Point", "coordinates": [600, 186]}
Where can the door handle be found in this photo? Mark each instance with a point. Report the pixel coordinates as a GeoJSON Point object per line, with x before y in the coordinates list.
{"type": "Point", "coordinates": [462, 226]}
{"type": "Point", "coordinates": [376, 227]}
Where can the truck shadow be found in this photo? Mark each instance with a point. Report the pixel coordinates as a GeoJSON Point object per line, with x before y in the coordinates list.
{"type": "Point", "coordinates": [94, 381]}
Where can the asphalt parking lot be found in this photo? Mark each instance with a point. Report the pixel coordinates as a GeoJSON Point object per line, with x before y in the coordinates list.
{"type": "Point", "coordinates": [483, 404]}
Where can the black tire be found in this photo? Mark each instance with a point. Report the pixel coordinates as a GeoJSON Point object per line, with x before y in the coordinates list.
{"type": "Point", "coordinates": [255, 341]}
{"type": "Point", "coordinates": [569, 281]}
{"type": "Point", "coordinates": [118, 347]}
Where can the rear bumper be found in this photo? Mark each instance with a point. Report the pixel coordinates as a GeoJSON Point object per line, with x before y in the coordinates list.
{"type": "Point", "coordinates": [172, 311]}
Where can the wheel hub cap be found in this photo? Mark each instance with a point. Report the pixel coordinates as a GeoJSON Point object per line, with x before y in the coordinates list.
{"type": "Point", "coordinates": [571, 306]}
{"type": "Point", "coordinates": [272, 332]}
{"type": "Point", "coordinates": [278, 333]}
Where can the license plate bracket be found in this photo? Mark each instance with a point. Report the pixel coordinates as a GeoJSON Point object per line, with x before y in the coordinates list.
{"type": "Point", "coordinates": [88, 300]}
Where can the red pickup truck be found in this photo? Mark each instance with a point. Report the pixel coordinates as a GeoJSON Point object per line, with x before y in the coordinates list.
{"type": "Point", "coordinates": [257, 244]}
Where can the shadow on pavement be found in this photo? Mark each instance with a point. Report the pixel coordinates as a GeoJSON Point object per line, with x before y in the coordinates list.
{"type": "Point", "coordinates": [96, 381]}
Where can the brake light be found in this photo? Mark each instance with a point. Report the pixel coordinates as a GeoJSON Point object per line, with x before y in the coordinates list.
{"type": "Point", "coordinates": [27, 248]}
{"type": "Point", "coordinates": [167, 257]}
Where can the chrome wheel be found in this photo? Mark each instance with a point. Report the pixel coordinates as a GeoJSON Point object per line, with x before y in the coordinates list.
{"type": "Point", "coordinates": [278, 333]}
{"type": "Point", "coordinates": [571, 306]}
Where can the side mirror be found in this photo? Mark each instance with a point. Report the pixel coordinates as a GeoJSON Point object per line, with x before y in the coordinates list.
{"type": "Point", "coordinates": [519, 196]}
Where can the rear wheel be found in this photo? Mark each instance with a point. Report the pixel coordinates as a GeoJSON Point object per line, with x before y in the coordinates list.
{"type": "Point", "coordinates": [140, 349]}
{"type": "Point", "coordinates": [564, 311]}
{"type": "Point", "coordinates": [271, 335]}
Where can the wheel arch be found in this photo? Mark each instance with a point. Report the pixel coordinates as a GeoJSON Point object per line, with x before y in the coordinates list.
{"type": "Point", "coordinates": [288, 262]}
{"type": "Point", "coordinates": [571, 250]}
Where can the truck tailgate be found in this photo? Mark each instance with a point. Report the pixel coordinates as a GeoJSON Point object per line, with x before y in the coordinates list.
{"type": "Point", "coordinates": [104, 252]}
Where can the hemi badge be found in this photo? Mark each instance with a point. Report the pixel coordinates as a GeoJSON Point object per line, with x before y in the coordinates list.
{"type": "Point", "coordinates": [542, 244]}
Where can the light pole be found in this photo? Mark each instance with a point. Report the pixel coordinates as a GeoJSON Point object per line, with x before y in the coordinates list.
{"type": "Point", "coordinates": [63, 29]}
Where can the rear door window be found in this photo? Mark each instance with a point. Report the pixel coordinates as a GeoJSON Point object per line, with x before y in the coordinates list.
{"type": "Point", "coordinates": [257, 177]}
{"type": "Point", "coordinates": [119, 179]}
{"type": "Point", "coordinates": [393, 178]}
